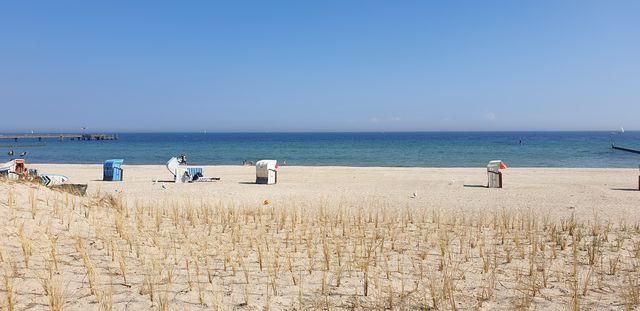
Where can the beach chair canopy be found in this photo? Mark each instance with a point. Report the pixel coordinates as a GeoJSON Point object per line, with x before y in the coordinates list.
{"type": "Point", "coordinates": [114, 162]}
{"type": "Point", "coordinates": [173, 165]}
{"type": "Point", "coordinates": [264, 166]}
{"type": "Point", "coordinates": [9, 166]}
{"type": "Point", "coordinates": [496, 165]}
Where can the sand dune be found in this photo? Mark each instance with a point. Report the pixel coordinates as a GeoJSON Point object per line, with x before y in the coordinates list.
{"type": "Point", "coordinates": [327, 237]}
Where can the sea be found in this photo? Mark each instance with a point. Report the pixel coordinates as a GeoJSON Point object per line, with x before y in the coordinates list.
{"type": "Point", "coordinates": [391, 149]}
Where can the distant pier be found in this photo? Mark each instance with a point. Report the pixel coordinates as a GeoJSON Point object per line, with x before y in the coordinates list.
{"type": "Point", "coordinates": [61, 137]}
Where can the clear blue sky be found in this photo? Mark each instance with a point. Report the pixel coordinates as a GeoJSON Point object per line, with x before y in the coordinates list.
{"type": "Point", "coordinates": [319, 66]}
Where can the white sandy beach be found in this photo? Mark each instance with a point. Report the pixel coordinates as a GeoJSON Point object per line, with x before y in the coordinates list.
{"type": "Point", "coordinates": [329, 238]}
{"type": "Point", "coordinates": [557, 190]}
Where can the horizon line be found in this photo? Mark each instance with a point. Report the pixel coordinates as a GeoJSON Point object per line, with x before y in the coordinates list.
{"type": "Point", "coordinates": [315, 132]}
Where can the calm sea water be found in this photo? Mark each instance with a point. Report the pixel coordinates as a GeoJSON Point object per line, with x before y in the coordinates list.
{"type": "Point", "coordinates": [423, 149]}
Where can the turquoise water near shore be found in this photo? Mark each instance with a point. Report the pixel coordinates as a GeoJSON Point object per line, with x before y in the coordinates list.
{"type": "Point", "coordinates": [419, 149]}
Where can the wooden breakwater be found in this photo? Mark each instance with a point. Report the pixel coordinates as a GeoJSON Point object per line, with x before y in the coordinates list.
{"type": "Point", "coordinates": [61, 137]}
{"type": "Point", "coordinates": [625, 149]}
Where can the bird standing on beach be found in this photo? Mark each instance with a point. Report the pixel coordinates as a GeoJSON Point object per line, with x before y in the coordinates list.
{"type": "Point", "coordinates": [414, 195]}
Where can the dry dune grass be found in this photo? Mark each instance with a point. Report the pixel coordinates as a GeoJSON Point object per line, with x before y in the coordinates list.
{"type": "Point", "coordinates": [62, 252]}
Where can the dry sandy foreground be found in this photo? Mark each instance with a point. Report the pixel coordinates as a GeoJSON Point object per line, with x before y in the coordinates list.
{"type": "Point", "coordinates": [323, 238]}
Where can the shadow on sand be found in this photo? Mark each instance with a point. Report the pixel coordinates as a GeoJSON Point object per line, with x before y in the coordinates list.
{"type": "Point", "coordinates": [625, 189]}
{"type": "Point", "coordinates": [475, 186]}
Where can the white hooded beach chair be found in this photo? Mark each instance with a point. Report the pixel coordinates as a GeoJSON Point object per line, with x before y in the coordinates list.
{"type": "Point", "coordinates": [267, 172]}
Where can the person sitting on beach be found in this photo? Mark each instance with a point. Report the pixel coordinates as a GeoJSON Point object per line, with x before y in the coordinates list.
{"type": "Point", "coordinates": [183, 159]}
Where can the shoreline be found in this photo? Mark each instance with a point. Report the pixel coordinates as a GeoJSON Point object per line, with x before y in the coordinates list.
{"type": "Point", "coordinates": [350, 166]}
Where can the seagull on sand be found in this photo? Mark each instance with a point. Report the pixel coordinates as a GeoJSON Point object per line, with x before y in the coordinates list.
{"type": "Point", "coordinates": [414, 195]}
